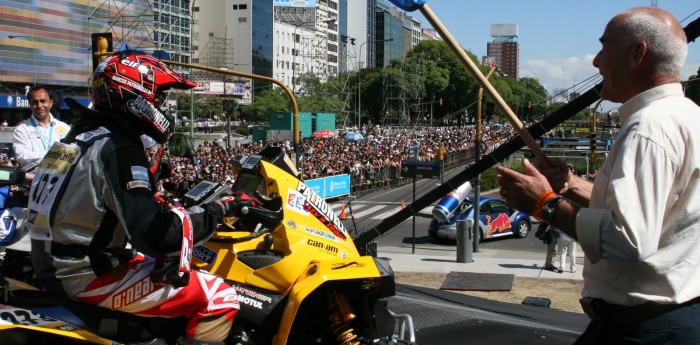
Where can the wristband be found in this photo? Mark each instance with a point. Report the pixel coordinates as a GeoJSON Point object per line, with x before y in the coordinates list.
{"type": "Point", "coordinates": [545, 198]}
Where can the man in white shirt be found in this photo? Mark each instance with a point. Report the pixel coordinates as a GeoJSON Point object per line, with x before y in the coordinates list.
{"type": "Point", "coordinates": [34, 136]}
{"type": "Point", "coordinates": [638, 223]}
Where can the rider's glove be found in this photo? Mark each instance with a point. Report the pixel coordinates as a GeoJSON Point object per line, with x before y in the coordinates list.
{"type": "Point", "coordinates": [233, 203]}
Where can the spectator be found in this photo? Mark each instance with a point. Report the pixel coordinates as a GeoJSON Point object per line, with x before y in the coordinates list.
{"type": "Point", "coordinates": [34, 136]}
{"type": "Point", "coordinates": [549, 236]}
{"type": "Point", "coordinates": [638, 221]}
{"type": "Point", "coordinates": [567, 247]}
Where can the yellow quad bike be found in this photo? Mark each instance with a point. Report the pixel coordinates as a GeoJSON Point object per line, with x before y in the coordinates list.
{"type": "Point", "coordinates": [299, 276]}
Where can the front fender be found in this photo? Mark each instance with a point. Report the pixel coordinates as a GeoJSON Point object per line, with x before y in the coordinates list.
{"type": "Point", "coordinates": [319, 273]}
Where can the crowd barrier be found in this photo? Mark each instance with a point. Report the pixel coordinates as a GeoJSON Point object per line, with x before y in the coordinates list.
{"type": "Point", "coordinates": [369, 179]}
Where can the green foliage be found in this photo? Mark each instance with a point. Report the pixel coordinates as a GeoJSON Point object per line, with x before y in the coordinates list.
{"type": "Point", "coordinates": [488, 178]}
{"type": "Point", "coordinates": [692, 88]}
{"type": "Point", "coordinates": [267, 102]}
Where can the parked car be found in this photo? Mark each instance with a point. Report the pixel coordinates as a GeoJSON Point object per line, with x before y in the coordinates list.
{"type": "Point", "coordinates": [496, 219]}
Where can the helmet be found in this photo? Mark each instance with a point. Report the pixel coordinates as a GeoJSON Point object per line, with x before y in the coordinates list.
{"type": "Point", "coordinates": [132, 84]}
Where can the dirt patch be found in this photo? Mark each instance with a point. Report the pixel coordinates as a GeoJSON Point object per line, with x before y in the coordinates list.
{"type": "Point", "coordinates": [563, 293]}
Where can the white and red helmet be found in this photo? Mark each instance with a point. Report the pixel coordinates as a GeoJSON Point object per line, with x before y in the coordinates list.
{"type": "Point", "coordinates": [133, 83]}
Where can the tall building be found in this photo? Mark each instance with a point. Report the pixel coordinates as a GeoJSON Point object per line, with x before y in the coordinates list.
{"type": "Point", "coordinates": [389, 35]}
{"type": "Point", "coordinates": [305, 40]}
{"type": "Point", "coordinates": [504, 50]}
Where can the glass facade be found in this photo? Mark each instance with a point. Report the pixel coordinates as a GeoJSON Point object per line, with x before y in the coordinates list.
{"type": "Point", "coordinates": [262, 48]}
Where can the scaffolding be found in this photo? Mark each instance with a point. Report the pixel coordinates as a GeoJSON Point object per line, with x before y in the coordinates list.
{"type": "Point", "coordinates": [402, 95]}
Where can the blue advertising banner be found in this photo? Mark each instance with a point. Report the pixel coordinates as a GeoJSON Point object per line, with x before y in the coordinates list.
{"type": "Point", "coordinates": [14, 101]}
{"type": "Point", "coordinates": [331, 186]}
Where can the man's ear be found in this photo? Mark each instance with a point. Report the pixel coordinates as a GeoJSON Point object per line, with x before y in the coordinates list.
{"type": "Point", "coordinates": [638, 53]}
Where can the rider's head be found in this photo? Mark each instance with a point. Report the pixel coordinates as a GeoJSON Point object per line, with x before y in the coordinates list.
{"type": "Point", "coordinates": [133, 84]}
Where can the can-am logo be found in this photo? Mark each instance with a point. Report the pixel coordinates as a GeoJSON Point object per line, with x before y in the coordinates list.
{"type": "Point", "coordinates": [142, 108]}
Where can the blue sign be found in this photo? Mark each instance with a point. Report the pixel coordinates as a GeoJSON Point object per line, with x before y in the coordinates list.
{"type": "Point", "coordinates": [330, 186]}
{"type": "Point", "coordinates": [14, 101]}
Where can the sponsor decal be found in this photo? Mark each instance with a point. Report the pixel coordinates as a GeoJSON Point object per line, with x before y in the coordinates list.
{"type": "Point", "coordinates": [138, 184]}
{"type": "Point", "coordinates": [295, 202]}
{"type": "Point", "coordinates": [139, 173]}
{"type": "Point", "coordinates": [89, 135]}
{"type": "Point", "coordinates": [318, 207]}
{"type": "Point", "coordinates": [327, 248]}
{"type": "Point", "coordinates": [320, 233]}
{"type": "Point", "coordinates": [205, 255]}
{"type": "Point", "coordinates": [132, 84]}
{"type": "Point", "coordinates": [251, 298]}
{"type": "Point", "coordinates": [17, 316]}
{"type": "Point", "coordinates": [133, 293]}
{"type": "Point", "coordinates": [499, 224]}
{"type": "Point", "coordinates": [142, 108]}
{"type": "Point", "coordinates": [355, 264]}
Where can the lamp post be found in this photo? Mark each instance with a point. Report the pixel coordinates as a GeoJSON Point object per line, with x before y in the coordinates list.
{"type": "Point", "coordinates": [294, 49]}
{"type": "Point", "coordinates": [33, 53]}
{"type": "Point", "coordinates": [359, 68]}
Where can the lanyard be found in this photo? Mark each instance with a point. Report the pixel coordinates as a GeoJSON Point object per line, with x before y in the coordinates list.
{"type": "Point", "coordinates": [41, 136]}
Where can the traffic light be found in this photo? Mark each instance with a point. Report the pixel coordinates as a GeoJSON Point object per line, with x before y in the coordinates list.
{"type": "Point", "coordinates": [440, 101]}
{"type": "Point", "coordinates": [101, 44]}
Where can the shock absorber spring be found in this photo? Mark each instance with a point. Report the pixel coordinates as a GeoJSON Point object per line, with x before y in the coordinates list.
{"type": "Point", "coordinates": [340, 316]}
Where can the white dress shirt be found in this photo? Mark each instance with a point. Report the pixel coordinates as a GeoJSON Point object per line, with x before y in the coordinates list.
{"type": "Point", "coordinates": [641, 232]}
{"type": "Point", "coordinates": [32, 139]}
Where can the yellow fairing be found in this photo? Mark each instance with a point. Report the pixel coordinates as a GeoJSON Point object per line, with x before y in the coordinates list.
{"type": "Point", "coordinates": [310, 232]}
{"type": "Point", "coordinates": [315, 275]}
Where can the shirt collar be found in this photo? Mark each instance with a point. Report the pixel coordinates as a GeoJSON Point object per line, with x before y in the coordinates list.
{"type": "Point", "coordinates": [643, 99]}
{"type": "Point", "coordinates": [51, 120]}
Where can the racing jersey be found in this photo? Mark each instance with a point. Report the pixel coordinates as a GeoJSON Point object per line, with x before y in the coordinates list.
{"type": "Point", "coordinates": [90, 197]}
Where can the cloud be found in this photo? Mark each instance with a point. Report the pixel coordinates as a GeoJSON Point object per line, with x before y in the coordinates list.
{"type": "Point", "coordinates": [565, 72]}
{"type": "Point", "coordinates": [559, 73]}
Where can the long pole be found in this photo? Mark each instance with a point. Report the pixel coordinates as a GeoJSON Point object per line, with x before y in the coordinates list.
{"type": "Point", "coordinates": [476, 73]}
{"type": "Point", "coordinates": [359, 80]}
{"type": "Point", "coordinates": [192, 70]}
{"type": "Point", "coordinates": [477, 157]}
{"type": "Point", "coordinates": [33, 55]}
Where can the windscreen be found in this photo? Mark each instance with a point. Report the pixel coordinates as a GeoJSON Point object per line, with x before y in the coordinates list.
{"type": "Point", "coordinates": [247, 182]}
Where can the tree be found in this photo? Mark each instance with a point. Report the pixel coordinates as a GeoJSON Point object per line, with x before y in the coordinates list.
{"type": "Point", "coordinates": [267, 102]}
{"type": "Point", "coordinates": [692, 89]}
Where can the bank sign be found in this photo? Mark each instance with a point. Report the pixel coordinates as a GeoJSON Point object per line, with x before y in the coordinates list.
{"type": "Point", "coordinates": [330, 186]}
{"type": "Point", "coordinates": [13, 101]}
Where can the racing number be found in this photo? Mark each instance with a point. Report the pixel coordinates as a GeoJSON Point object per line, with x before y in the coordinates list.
{"type": "Point", "coordinates": [45, 187]}
{"type": "Point", "coordinates": [24, 317]}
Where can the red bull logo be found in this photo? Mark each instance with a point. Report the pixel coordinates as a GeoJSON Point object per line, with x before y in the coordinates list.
{"type": "Point", "coordinates": [498, 224]}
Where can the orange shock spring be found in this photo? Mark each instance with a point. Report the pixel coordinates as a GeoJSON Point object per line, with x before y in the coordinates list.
{"type": "Point", "coordinates": [341, 318]}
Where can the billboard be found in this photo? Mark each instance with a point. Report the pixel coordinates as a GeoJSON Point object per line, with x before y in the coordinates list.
{"type": "Point", "coordinates": [501, 30]}
{"type": "Point", "coordinates": [295, 3]}
{"type": "Point", "coordinates": [212, 87]}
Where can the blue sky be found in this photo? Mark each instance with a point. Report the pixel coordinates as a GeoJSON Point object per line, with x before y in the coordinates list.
{"type": "Point", "coordinates": [558, 39]}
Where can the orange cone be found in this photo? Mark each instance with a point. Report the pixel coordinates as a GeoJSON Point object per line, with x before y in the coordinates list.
{"type": "Point", "coordinates": [403, 204]}
{"type": "Point", "coordinates": [342, 213]}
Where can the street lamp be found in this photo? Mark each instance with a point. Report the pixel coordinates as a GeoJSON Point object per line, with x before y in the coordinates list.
{"type": "Point", "coordinates": [294, 49]}
{"type": "Point", "coordinates": [33, 53]}
{"type": "Point", "coordinates": [359, 68]}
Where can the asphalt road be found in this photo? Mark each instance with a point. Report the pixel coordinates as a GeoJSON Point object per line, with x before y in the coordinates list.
{"type": "Point", "coordinates": [370, 209]}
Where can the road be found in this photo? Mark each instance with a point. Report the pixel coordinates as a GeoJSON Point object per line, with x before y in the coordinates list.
{"type": "Point", "coordinates": [370, 209]}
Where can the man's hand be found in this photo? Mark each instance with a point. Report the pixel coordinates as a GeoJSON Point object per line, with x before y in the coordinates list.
{"type": "Point", "coordinates": [556, 171]}
{"type": "Point", "coordinates": [522, 191]}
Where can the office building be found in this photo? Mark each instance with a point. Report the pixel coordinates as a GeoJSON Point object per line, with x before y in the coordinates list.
{"type": "Point", "coordinates": [504, 50]}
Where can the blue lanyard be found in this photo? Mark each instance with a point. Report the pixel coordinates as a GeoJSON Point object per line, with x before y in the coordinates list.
{"type": "Point", "coordinates": [41, 137]}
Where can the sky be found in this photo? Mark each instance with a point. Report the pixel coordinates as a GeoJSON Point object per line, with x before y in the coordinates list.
{"type": "Point", "coordinates": [558, 39]}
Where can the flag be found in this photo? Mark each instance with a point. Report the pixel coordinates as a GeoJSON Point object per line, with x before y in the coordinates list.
{"type": "Point", "coordinates": [408, 5]}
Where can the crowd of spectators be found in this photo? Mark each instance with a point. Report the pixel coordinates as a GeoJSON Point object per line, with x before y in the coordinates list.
{"type": "Point", "coordinates": [382, 147]}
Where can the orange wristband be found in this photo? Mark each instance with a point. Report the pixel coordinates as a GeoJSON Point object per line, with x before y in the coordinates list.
{"type": "Point", "coordinates": [544, 199]}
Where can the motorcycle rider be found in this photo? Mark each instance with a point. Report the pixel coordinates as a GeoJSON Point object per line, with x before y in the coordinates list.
{"type": "Point", "coordinates": [93, 193]}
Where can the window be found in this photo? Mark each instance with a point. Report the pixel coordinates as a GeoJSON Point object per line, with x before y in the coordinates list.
{"type": "Point", "coordinates": [243, 7]}
{"type": "Point", "coordinates": [242, 19]}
